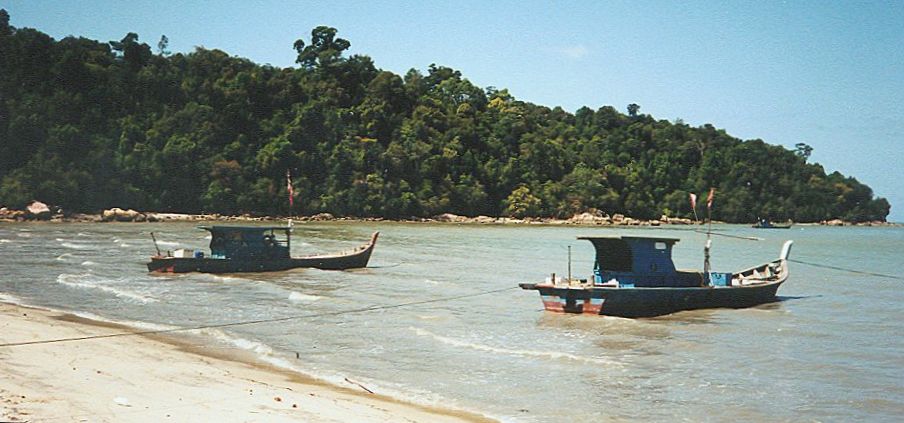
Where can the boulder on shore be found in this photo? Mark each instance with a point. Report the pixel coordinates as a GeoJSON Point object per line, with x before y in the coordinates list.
{"type": "Point", "coordinates": [119, 215]}
{"type": "Point", "coordinates": [587, 218]}
{"type": "Point", "coordinates": [38, 210]}
{"type": "Point", "coordinates": [449, 217]}
{"type": "Point", "coordinates": [483, 219]}
{"type": "Point", "coordinates": [322, 216]}
{"type": "Point", "coordinates": [9, 214]}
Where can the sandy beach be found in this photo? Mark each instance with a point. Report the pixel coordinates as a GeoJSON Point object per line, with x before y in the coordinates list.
{"type": "Point", "coordinates": [152, 379]}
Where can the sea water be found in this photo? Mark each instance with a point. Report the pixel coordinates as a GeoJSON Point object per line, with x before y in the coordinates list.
{"type": "Point", "coordinates": [438, 319]}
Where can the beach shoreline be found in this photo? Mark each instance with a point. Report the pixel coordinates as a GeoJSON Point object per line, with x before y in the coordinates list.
{"type": "Point", "coordinates": [595, 218]}
{"type": "Point", "coordinates": [145, 378]}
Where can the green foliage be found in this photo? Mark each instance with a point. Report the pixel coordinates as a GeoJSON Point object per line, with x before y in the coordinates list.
{"type": "Point", "coordinates": [88, 125]}
{"type": "Point", "coordinates": [521, 203]}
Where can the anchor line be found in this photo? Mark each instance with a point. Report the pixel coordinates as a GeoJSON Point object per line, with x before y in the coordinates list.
{"type": "Point", "coordinates": [252, 322]}
{"type": "Point", "coordinates": [748, 238]}
{"type": "Point", "coordinates": [826, 266]}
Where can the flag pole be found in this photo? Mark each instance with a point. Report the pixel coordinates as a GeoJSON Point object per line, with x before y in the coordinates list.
{"type": "Point", "coordinates": [291, 192]}
{"type": "Point", "coordinates": [693, 198]}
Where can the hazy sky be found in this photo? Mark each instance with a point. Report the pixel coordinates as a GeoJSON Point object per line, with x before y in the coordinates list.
{"type": "Point", "coordinates": [829, 74]}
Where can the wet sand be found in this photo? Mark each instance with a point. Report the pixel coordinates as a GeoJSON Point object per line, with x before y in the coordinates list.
{"type": "Point", "coordinates": [156, 378]}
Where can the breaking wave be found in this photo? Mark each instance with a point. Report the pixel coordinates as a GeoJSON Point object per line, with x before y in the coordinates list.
{"type": "Point", "coordinates": [521, 353]}
{"type": "Point", "coordinates": [75, 246]}
{"type": "Point", "coordinates": [9, 298]}
{"type": "Point", "coordinates": [81, 281]}
{"type": "Point", "coordinates": [63, 257]}
{"type": "Point", "coordinates": [261, 351]}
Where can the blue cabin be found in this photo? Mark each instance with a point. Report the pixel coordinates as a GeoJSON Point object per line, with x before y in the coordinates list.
{"type": "Point", "coordinates": [642, 262]}
{"type": "Point", "coordinates": [249, 242]}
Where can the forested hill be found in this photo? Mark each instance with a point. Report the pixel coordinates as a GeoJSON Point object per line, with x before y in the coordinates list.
{"type": "Point", "coordinates": [87, 125]}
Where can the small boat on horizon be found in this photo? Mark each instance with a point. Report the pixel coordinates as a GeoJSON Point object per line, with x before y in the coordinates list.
{"type": "Point", "coordinates": [235, 249]}
{"type": "Point", "coordinates": [766, 224]}
{"type": "Point", "coordinates": [635, 277]}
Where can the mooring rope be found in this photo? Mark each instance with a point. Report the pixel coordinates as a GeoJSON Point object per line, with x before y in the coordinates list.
{"type": "Point", "coordinates": [748, 238]}
{"type": "Point", "coordinates": [843, 269]}
{"type": "Point", "coordinates": [253, 322]}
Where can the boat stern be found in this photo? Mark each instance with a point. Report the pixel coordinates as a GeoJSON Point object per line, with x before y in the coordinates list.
{"type": "Point", "coordinates": [567, 299]}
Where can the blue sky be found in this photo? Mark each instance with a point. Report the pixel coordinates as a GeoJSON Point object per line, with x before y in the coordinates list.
{"type": "Point", "coordinates": [829, 74]}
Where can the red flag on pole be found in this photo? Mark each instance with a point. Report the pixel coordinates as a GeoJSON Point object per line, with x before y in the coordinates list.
{"type": "Point", "coordinates": [693, 202]}
{"type": "Point", "coordinates": [709, 199]}
{"type": "Point", "coordinates": [289, 188]}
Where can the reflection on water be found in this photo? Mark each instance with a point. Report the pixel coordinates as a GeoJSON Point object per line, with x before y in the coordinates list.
{"type": "Point", "coordinates": [830, 348]}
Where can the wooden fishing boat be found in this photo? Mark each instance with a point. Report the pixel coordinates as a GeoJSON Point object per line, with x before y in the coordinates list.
{"type": "Point", "coordinates": [766, 224]}
{"type": "Point", "coordinates": [635, 277]}
{"type": "Point", "coordinates": [235, 249]}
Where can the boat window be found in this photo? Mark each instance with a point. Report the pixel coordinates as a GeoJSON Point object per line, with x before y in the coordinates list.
{"type": "Point", "coordinates": [660, 246]}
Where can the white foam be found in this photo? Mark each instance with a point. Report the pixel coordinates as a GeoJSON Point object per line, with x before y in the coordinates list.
{"type": "Point", "coordinates": [9, 298]}
{"type": "Point", "coordinates": [63, 257]}
{"type": "Point", "coordinates": [143, 326]}
{"type": "Point", "coordinates": [24, 234]}
{"type": "Point", "coordinates": [169, 243]}
{"type": "Point", "coordinates": [265, 353]}
{"type": "Point", "coordinates": [228, 279]}
{"type": "Point", "coordinates": [80, 281]}
{"type": "Point", "coordinates": [521, 353]}
{"type": "Point", "coordinates": [88, 263]}
{"type": "Point", "coordinates": [124, 245]}
{"type": "Point", "coordinates": [431, 281]}
{"type": "Point", "coordinates": [5, 241]}
{"type": "Point", "coordinates": [429, 317]}
{"type": "Point", "coordinates": [298, 297]}
{"type": "Point", "coordinates": [75, 246]}
{"type": "Point", "coordinates": [262, 351]}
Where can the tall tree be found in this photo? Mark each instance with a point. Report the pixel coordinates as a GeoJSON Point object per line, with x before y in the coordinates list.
{"type": "Point", "coordinates": [324, 49]}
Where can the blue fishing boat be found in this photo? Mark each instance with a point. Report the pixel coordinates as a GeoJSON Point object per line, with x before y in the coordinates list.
{"type": "Point", "coordinates": [635, 277]}
{"type": "Point", "coordinates": [236, 249]}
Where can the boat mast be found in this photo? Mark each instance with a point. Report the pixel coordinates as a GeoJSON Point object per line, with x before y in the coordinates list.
{"type": "Point", "coordinates": [155, 243]}
{"type": "Point", "coordinates": [569, 265]}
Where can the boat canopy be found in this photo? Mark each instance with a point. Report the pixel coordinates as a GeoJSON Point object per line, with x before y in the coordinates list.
{"type": "Point", "coordinates": [247, 242]}
{"type": "Point", "coordinates": [630, 254]}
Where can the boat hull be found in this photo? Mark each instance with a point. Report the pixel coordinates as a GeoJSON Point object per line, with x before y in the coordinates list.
{"type": "Point", "coordinates": [353, 260]}
{"type": "Point", "coordinates": [649, 302]}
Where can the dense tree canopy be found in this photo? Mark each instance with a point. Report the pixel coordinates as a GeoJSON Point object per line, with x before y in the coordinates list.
{"type": "Point", "coordinates": [87, 125]}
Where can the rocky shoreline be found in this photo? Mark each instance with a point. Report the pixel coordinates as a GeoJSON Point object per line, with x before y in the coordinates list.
{"type": "Point", "coordinates": [37, 211]}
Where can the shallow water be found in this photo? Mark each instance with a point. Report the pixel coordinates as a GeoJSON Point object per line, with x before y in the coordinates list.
{"type": "Point", "coordinates": [831, 349]}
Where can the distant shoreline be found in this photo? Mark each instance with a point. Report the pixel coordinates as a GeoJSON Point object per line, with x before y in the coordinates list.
{"type": "Point", "coordinates": [582, 219]}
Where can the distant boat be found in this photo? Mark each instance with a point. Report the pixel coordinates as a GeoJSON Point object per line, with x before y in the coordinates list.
{"type": "Point", "coordinates": [635, 277]}
{"type": "Point", "coordinates": [235, 249]}
{"type": "Point", "coordinates": [766, 224]}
